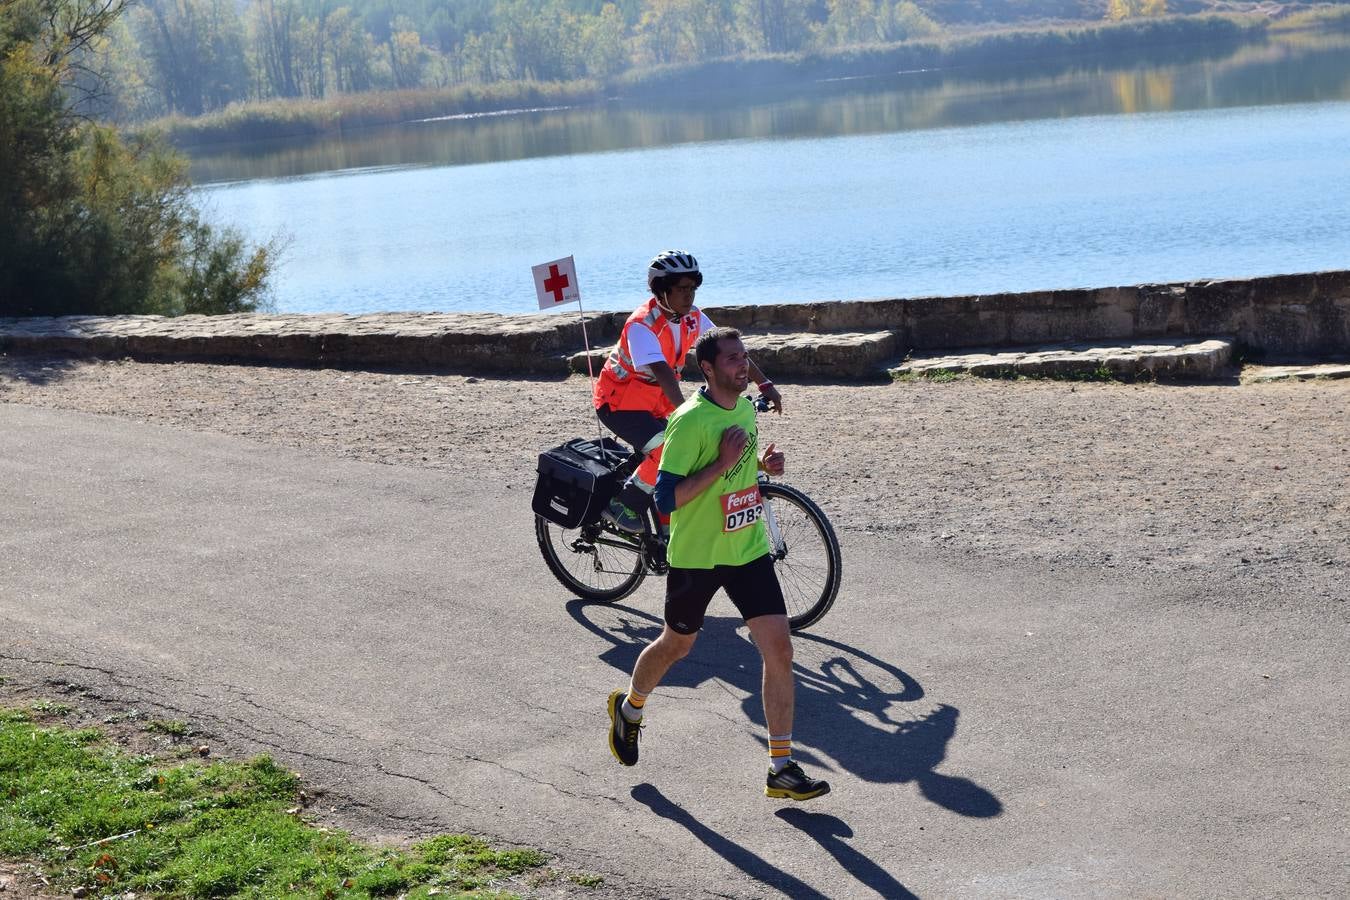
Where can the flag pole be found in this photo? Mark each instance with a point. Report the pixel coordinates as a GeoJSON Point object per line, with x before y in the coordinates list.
{"type": "Point", "coordinates": [590, 369]}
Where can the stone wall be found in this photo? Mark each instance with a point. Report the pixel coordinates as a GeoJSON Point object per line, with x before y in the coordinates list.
{"type": "Point", "coordinates": [1280, 316]}
{"type": "Point", "coordinates": [1304, 315]}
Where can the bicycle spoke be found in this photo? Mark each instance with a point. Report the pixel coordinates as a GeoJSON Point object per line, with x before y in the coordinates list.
{"type": "Point", "coordinates": [594, 564]}
{"type": "Point", "coordinates": [808, 566]}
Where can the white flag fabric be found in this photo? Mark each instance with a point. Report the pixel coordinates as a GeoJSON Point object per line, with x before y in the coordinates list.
{"type": "Point", "coordinates": [556, 283]}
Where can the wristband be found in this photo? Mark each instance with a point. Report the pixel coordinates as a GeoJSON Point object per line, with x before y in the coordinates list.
{"type": "Point", "coordinates": [763, 385]}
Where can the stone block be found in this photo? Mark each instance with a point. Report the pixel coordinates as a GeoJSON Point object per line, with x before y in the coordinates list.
{"type": "Point", "coordinates": [1172, 359]}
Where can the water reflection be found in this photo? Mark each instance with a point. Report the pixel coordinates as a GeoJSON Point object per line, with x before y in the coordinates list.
{"type": "Point", "coordinates": [1293, 68]}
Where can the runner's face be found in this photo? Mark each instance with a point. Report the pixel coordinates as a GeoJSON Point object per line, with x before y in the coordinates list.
{"type": "Point", "coordinates": [680, 297]}
{"type": "Point", "coordinates": [731, 371]}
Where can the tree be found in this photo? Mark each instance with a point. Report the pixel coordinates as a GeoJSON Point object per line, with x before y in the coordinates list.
{"type": "Point", "coordinates": [687, 30]}
{"type": "Point", "coordinates": [351, 49]}
{"type": "Point", "coordinates": [1119, 10]}
{"type": "Point", "coordinates": [604, 42]}
{"type": "Point", "coordinates": [90, 222]}
{"type": "Point", "coordinates": [775, 26]}
{"type": "Point", "coordinates": [275, 25]}
{"type": "Point", "coordinates": [196, 52]}
{"type": "Point", "coordinates": [407, 56]}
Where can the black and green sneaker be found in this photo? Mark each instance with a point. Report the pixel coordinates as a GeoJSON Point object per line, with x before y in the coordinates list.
{"type": "Point", "coordinates": [793, 784]}
{"type": "Point", "coordinates": [621, 517]}
{"type": "Point", "coordinates": [623, 734]}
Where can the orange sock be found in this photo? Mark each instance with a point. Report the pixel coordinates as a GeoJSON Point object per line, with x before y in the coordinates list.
{"type": "Point", "coordinates": [780, 751]}
{"type": "Point", "coordinates": [632, 704]}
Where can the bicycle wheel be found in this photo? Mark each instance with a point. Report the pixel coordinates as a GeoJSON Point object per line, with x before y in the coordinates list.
{"type": "Point", "coordinates": [805, 553]}
{"type": "Point", "coordinates": [593, 563]}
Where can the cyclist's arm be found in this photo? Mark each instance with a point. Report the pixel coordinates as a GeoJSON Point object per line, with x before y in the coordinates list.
{"type": "Point", "coordinates": [770, 392]}
{"type": "Point", "coordinates": [670, 385]}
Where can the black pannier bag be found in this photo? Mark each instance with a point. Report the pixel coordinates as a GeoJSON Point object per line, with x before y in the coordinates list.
{"type": "Point", "coordinates": [577, 480]}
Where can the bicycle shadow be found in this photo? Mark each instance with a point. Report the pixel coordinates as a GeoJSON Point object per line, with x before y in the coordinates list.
{"type": "Point", "coordinates": [845, 696]}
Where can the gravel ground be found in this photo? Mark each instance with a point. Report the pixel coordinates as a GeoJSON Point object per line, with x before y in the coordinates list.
{"type": "Point", "coordinates": [1241, 488]}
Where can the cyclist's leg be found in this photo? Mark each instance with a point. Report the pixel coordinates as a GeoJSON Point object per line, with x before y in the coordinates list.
{"type": "Point", "coordinates": [646, 433]}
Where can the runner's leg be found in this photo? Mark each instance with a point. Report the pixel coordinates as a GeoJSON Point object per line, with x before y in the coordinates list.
{"type": "Point", "coordinates": [774, 642]}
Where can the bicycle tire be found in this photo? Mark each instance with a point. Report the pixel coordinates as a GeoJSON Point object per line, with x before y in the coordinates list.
{"type": "Point", "coordinates": [563, 545]}
{"type": "Point", "coordinates": [809, 564]}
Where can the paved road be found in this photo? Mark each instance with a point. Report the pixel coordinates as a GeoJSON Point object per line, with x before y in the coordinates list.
{"type": "Point", "coordinates": [989, 731]}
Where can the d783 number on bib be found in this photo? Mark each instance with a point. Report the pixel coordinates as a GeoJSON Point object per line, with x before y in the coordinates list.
{"type": "Point", "coordinates": [741, 509]}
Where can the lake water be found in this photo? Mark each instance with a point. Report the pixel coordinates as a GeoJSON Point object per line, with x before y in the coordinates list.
{"type": "Point", "coordinates": [921, 184]}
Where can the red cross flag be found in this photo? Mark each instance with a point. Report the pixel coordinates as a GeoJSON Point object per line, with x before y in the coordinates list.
{"type": "Point", "coordinates": [556, 283]}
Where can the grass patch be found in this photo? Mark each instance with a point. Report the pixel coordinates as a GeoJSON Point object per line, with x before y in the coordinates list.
{"type": "Point", "coordinates": [100, 819]}
{"type": "Point", "coordinates": [1099, 374]}
{"type": "Point", "coordinates": [931, 376]}
{"type": "Point", "coordinates": [51, 707]}
{"type": "Point", "coordinates": [171, 727]}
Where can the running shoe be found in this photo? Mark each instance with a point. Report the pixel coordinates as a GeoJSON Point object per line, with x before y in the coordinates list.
{"type": "Point", "coordinates": [621, 517]}
{"type": "Point", "coordinates": [623, 734]}
{"type": "Point", "coordinates": [794, 784]}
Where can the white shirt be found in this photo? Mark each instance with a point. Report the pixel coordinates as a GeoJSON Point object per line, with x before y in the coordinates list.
{"type": "Point", "coordinates": [645, 347]}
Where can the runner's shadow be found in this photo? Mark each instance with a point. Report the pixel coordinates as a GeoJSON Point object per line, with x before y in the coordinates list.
{"type": "Point", "coordinates": [732, 852]}
{"type": "Point", "coordinates": [846, 700]}
{"type": "Point", "coordinates": [828, 831]}
{"type": "Point", "coordinates": [718, 653]}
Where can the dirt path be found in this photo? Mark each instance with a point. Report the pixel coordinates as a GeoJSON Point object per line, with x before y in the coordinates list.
{"type": "Point", "coordinates": [1247, 485]}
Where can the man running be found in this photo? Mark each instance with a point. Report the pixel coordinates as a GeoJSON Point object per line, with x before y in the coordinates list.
{"type": "Point", "coordinates": [639, 387]}
{"type": "Point", "coordinates": [709, 484]}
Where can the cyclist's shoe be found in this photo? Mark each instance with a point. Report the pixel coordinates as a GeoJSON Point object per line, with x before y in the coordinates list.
{"type": "Point", "coordinates": [623, 734]}
{"type": "Point", "coordinates": [621, 517]}
{"type": "Point", "coordinates": [794, 784]}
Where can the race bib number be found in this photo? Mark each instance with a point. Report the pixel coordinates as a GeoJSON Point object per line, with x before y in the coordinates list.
{"type": "Point", "coordinates": [741, 509]}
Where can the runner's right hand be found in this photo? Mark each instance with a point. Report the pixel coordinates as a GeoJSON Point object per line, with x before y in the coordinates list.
{"type": "Point", "coordinates": [733, 444]}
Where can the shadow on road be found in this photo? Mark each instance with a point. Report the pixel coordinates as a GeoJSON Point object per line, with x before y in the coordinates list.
{"type": "Point", "coordinates": [846, 702]}
{"type": "Point", "coordinates": [829, 831]}
{"type": "Point", "coordinates": [732, 852]}
{"type": "Point", "coordinates": [35, 370]}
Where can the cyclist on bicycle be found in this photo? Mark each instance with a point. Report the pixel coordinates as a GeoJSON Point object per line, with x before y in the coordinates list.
{"type": "Point", "coordinates": [639, 386]}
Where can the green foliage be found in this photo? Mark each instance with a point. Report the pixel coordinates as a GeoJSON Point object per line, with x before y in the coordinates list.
{"type": "Point", "coordinates": [1138, 37]}
{"type": "Point", "coordinates": [91, 223]}
{"type": "Point", "coordinates": [1333, 19]}
{"type": "Point", "coordinates": [345, 112]}
{"type": "Point", "coordinates": [171, 727]}
{"type": "Point", "coordinates": [874, 22]}
{"type": "Point", "coordinates": [1119, 10]}
{"type": "Point", "coordinates": [112, 823]}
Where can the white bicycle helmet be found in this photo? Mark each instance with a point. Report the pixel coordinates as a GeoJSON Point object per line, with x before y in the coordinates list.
{"type": "Point", "coordinates": [671, 262]}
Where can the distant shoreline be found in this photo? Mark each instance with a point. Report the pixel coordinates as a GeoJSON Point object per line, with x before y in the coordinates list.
{"type": "Point", "coordinates": [340, 114]}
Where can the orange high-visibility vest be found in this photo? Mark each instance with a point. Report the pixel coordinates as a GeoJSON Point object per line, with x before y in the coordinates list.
{"type": "Point", "coordinates": [622, 385]}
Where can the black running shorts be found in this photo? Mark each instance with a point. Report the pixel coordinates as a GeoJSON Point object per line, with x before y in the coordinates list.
{"type": "Point", "coordinates": [753, 587]}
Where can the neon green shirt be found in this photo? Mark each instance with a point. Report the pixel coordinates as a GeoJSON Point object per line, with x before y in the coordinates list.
{"type": "Point", "coordinates": [723, 526]}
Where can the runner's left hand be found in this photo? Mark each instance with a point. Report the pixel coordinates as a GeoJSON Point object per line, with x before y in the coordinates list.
{"type": "Point", "coordinates": [773, 461]}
